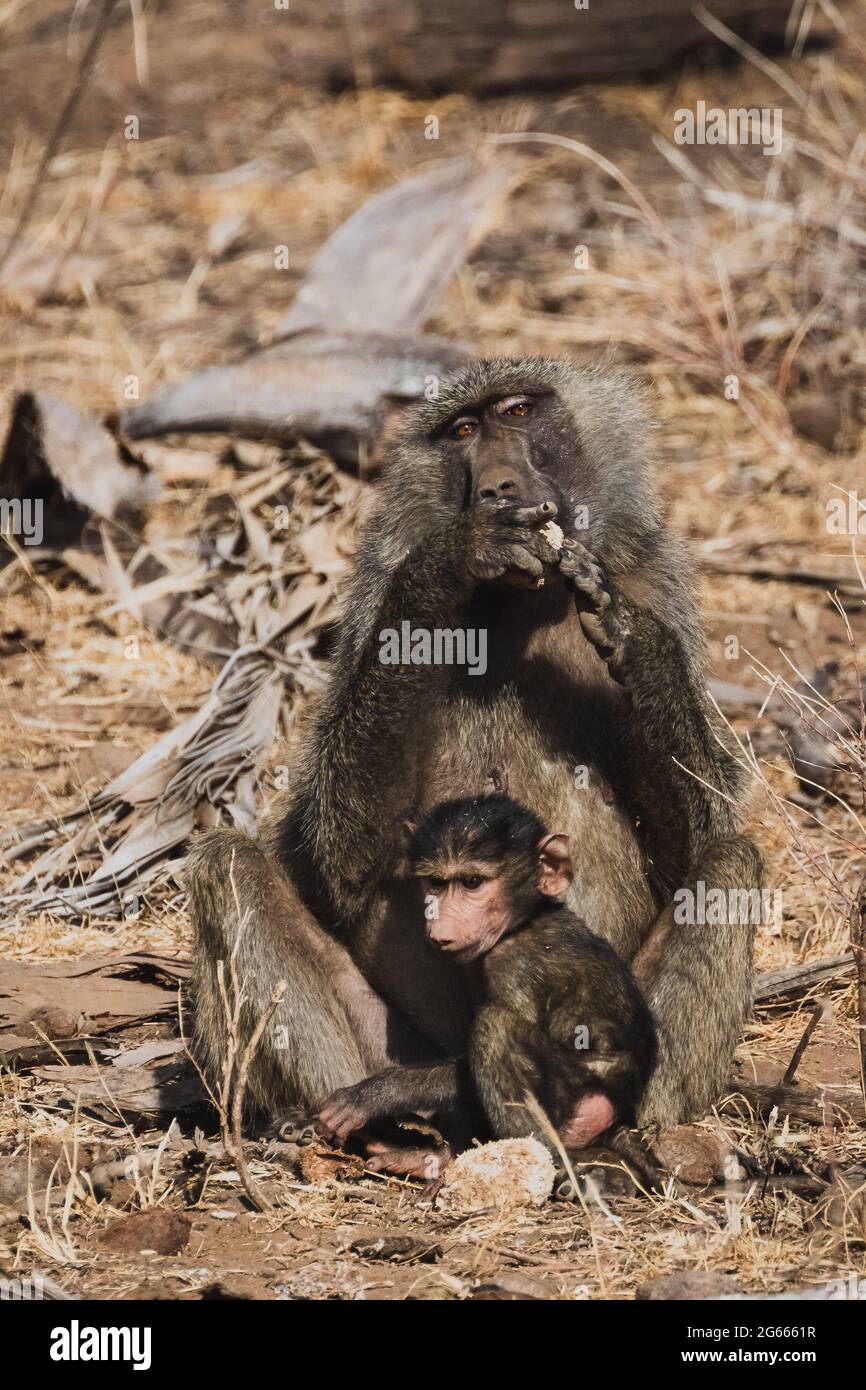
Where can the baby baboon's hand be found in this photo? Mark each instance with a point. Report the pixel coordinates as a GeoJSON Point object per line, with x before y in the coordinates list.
{"type": "Point", "coordinates": [502, 540]}
{"type": "Point", "coordinates": [346, 1111]}
{"type": "Point", "coordinates": [601, 617]}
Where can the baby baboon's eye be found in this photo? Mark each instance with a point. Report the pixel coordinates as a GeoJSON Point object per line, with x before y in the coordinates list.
{"type": "Point", "coordinates": [472, 881]}
{"type": "Point", "coordinates": [437, 884]}
{"type": "Point", "coordinates": [463, 428]}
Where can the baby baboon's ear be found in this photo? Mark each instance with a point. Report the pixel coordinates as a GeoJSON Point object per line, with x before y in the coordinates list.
{"type": "Point", "coordinates": [410, 826]}
{"type": "Point", "coordinates": [555, 871]}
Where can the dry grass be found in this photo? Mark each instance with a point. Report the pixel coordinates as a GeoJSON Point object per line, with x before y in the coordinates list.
{"type": "Point", "coordinates": [703, 264]}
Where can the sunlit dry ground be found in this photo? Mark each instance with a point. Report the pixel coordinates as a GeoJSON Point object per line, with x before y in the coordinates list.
{"type": "Point", "coordinates": [703, 265]}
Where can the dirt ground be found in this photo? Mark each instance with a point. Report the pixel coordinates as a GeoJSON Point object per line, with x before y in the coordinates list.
{"type": "Point", "coordinates": [705, 264]}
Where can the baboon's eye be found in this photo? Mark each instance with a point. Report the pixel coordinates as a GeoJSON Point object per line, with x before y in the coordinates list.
{"type": "Point", "coordinates": [462, 428]}
{"type": "Point", "coordinates": [437, 884]}
{"type": "Point", "coordinates": [472, 881]}
{"type": "Point", "coordinates": [515, 406]}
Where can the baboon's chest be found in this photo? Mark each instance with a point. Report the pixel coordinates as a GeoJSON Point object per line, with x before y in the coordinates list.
{"type": "Point", "coordinates": [503, 742]}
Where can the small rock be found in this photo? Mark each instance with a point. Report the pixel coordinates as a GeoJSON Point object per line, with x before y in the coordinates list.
{"type": "Point", "coordinates": [510, 1286]}
{"type": "Point", "coordinates": [686, 1284]}
{"type": "Point", "coordinates": [692, 1154]}
{"type": "Point", "coordinates": [49, 1022]}
{"type": "Point", "coordinates": [165, 1232]}
{"type": "Point", "coordinates": [506, 1173]}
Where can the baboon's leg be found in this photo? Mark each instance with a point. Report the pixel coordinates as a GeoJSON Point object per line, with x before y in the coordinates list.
{"type": "Point", "coordinates": [683, 788]}
{"type": "Point", "coordinates": [697, 978]}
{"type": "Point", "coordinates": [330, 1030]}
{"type": "Point", "coordinates": [503, 1053]}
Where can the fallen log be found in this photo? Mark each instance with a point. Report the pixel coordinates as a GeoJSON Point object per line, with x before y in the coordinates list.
{"type": "Point", "coordinates": [776, 986]}
{"type": "Point", "coordinates": [507, 45]}
{"type": "Point", "coordinates": [810, 1107]}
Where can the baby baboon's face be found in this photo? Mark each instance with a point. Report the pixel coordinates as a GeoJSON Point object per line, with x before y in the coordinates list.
{"type": "Point", "coordinates": [468, 911]}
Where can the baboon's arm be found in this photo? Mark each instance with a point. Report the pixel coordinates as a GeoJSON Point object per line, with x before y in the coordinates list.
{"type": "Point", "coordinates": [678, 780]}
{"type": "Point", "coordinates": [359, 775]}
{"type": "Point", "coordinates": [393, 1093]}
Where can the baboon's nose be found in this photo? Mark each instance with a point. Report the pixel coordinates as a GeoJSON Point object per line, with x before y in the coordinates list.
{"type": "Point", "coordinates": [496, 483]}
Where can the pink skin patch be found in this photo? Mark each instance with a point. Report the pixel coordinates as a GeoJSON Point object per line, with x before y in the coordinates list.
{"type": "Point", "coordinates": [407, 1163]}
{"type": "Point", "coordinates": [592, 1116]}
{"type": "Point", "coordinates": [469, 921]}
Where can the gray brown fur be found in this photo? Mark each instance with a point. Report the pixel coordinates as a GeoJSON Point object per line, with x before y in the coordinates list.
{"type": "Point", "coordinates": [559, 1016]}
{"type": "Point", "coordinates": [607, 677]}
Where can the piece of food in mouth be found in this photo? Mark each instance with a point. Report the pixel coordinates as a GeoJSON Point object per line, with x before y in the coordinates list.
{"type": "Point", "coordinates": [553, 534]}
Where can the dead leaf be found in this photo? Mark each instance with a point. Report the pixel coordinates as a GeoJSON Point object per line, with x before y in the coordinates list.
{"type": "Point", "coordinates": [71, 464]}
{"type": "Point", "coordinates": [155, 1094]}
{"type": "Point", "coordinates": [91, 991]}
{"type": "Point", "coordinates": [390, 260]}
{"type": "Point", "coordinates": [319, 1164]}
{"type": "Point", "coordinates": [330, 388]}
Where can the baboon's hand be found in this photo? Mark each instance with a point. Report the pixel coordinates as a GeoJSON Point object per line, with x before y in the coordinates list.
{"type": "Point", "coordinates": [502, 540]}
{"type": "Point", "coordinates": [601, 617]}
{"type": "Point", "coordinates": [346, 1111]}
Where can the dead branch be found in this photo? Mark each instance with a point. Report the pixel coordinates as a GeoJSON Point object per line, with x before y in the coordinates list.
{"type": "Point", "coordinates": [783, 986]}
{"type": "Point", "coordinates": [858, 947]}
{"type": "Point", "coordinates": [810, 1107]}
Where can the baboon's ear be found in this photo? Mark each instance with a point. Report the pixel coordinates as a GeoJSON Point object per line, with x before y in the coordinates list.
{"type": "Point", "coordinates": [410, 826]}
{"type": "Point", "coordinates": [555, 871]}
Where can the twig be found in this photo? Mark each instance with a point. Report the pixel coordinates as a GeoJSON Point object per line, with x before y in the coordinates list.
{"type": "Point", "coordinates": [240, 1089]}
{"type": "Point", "coordinates": [817, 1006]}
{"type": "Point", "coordinates": [85, 66]}
{"type": "Point", "coordinates": [858, 946]}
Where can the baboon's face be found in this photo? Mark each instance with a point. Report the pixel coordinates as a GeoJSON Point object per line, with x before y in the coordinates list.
{"type": "Point", "coordinates": [473, 902]}
{"type": "Point", "coordinates": [508, 447]}
{"type": "Point", "coordinates": [471, 911]}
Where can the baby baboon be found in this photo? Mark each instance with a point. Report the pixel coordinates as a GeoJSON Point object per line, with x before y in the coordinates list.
{"type": "Point", "coordinates": [559, 1015]}
{"type": "Point", "coordinates": [589, 709]}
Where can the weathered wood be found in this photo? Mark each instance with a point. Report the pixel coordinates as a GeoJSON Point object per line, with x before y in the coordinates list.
{"type": "Point", "coordinates": [807, 1106]}
{"type": "Point", "coordinates": [503, 45]}
{"type": "Point", "coordinates": [847, 584]}
{"type": "Point", "coordinates": [775, 986]}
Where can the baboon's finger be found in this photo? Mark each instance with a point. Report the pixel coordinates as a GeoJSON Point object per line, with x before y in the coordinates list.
{"type": "Point", "coordinates": [534, 516]}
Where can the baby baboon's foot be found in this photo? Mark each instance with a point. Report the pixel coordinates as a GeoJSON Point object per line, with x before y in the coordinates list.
{"type": "Point", "coordinates": [604, 1179]}
{"type": "Point", "coordinates": [428, 1164]}
{"type": "Point", "coordinates": [641, 1162]}
{"type": "Point", "coordinates": [601, 617]}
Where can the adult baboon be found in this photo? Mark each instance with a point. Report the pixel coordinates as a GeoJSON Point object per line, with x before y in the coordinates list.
{"type": "Point", "coordinates": [590, 712]}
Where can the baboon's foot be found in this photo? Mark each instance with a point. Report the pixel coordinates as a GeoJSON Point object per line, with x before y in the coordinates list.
{"type": "Point", "coordinates": [294, 1127]}
{"type": "Point", "coordinates": [426, 1163]}
{"type": "Point", "coordinates": [608, 1173]}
